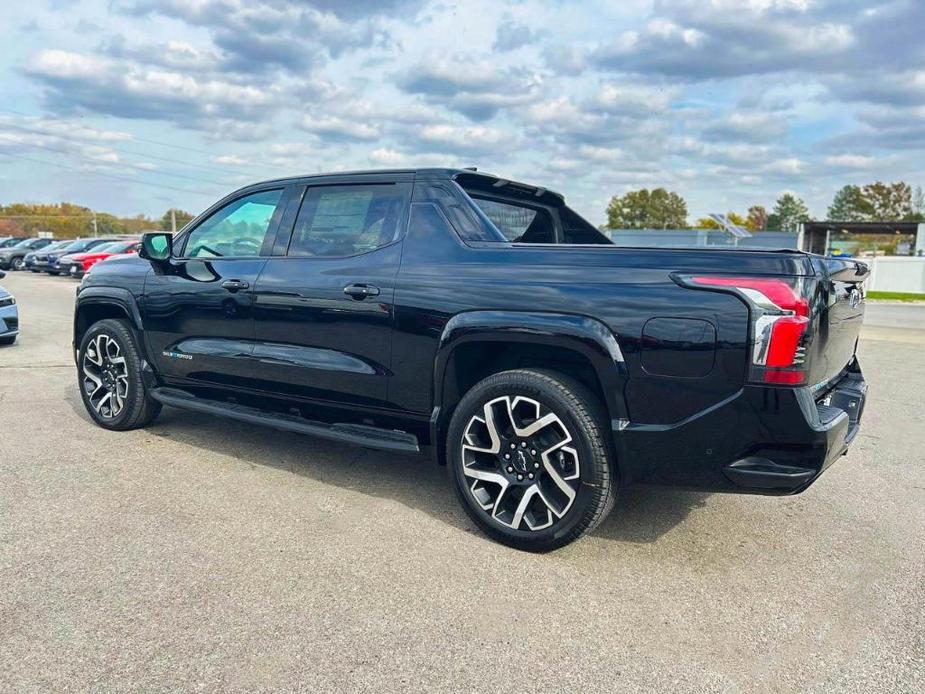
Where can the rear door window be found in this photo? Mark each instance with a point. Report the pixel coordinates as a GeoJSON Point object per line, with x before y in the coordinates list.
{"type": "Point", "coordinates": [340, 221]}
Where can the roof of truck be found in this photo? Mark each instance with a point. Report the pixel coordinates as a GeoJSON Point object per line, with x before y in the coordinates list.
{"type": "Point", "coordinates": [426, 172]}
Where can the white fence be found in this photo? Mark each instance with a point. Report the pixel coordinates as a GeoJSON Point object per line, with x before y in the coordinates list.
{"type": "Point", "coordinates": [896, 274]}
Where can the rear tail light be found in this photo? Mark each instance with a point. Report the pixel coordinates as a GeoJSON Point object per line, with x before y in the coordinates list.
{"type": "Point", "coordinates": [780, 318]}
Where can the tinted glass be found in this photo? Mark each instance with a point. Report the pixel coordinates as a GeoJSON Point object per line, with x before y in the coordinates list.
{"type": "Point", "coordinates": [236, 230]}
{"type": "Point", "coordinates": [83, 244]}
{"type": "Point", "coordinates": [102, 248]}
{"type": "Point", "coordinates": [517, 222]}
{"type": "Point", "coordinates": [468, 220]}
{"type": "Point", "coordinates": [118, 247]}
{"type": "Point", "coordinates": [339, 221]}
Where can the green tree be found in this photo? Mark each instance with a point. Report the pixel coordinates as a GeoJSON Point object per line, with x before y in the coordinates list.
{"type": "Point", "coordinates": [645, 209]}
{"type": "Point", "coordinates": [182, 218]}
{"type": "Point", "coordinates": [789, 211]}
{"type": "Point", "coordinates": [757, 219]}
{"type": "Point", "coordinates": [850, 205]}
{"type": "Point", "coordinates": [889, 201]}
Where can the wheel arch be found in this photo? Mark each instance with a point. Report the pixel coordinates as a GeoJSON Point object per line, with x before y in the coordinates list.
{"type": "Point", "coordinates": [97, 303]}
{"type": "Point", "coordinates": [478, 343]}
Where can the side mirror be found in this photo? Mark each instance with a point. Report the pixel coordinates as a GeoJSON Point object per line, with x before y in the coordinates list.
{"type": "Point", "coordinates": [156, 246]}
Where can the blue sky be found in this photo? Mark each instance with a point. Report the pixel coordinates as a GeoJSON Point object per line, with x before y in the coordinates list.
{"type": "Point", "coordinates": [134, 106]}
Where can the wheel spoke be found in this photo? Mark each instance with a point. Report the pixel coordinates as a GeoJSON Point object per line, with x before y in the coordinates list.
{"type": "Point", "coordinates": [97, 381]}
{"type": "Point", "coordinates": [563, 486]}
{"type": "Point", "coordinates": [525, 500]}
{"type": "Point", "coordinates": [106, 398]}
{"type": "Point", "coordinates": [489, 421]}
{"type": "Point", "coordinates": [93, 354]}
{"type": "Point", "coordinates": [538, 424]}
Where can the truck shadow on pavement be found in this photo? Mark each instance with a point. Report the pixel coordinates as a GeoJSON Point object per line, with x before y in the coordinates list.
{"type": "Point", "coordinates": [641, 514]}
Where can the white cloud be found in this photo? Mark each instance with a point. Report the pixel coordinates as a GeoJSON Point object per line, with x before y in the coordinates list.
{"type": "Point", "coordinates": [719, 98]}
{"type": "Point", "coordinates": [851, 161]}
{"type": "Point", "coordinates": [336, 127]}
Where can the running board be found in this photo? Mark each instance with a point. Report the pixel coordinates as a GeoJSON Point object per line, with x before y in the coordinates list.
{"type": "Point", "coordinates": [357, 434]}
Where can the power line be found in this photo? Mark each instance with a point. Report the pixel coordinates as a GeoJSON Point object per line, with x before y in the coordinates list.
{"type": "Point", "coordinates": [125, 164]}
{"type": "Point", "coordinates": [96, 143]}
{"type": "Point", "coordinates": [134, 137]}
{"type": "Point", "coordinates": [108, 175]}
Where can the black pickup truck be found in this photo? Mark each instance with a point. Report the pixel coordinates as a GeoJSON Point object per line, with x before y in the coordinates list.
{"type": "Point", "coordinates": [484, 321]}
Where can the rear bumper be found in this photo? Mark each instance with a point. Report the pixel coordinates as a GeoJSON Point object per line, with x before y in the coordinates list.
{"type": "Point", "coordinates": [761, 440]}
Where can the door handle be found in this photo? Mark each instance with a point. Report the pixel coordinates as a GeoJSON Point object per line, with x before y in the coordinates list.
{"type": "Point", "coordinates": [235, 285]}
{"type": "Point", "coordinates": [361, 291]}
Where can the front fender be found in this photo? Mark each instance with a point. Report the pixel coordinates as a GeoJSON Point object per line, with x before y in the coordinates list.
{"type": "Point", "coordinates": [587, 336]}
{"type": "Point", "coordinates": [117, 297]}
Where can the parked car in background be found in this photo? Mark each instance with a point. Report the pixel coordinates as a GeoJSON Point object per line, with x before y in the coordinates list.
{"type": "Point", "coordinates": [9, 316]}
{"type": "Point", "coordinates": [79, 264]}
{"type": "Point", "coordinates": [37, 260]}
{"type": "Point", "coordinates": [13, 257]}
{"type": "Point", "coordinates": [53, 263]}
{"type": "Point", "coordinates": [7, 241]}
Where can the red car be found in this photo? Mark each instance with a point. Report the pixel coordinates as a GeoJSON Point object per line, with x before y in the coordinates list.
{"type": "Point", "coordinates": [79, 264]}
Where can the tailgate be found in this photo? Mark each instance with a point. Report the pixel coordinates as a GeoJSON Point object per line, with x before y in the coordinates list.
{"type": "Point", "coordinates": [841, 314]}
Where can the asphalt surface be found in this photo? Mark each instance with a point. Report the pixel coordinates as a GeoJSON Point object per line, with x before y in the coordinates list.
{"type": "Point", "coordinates": [206, 555]}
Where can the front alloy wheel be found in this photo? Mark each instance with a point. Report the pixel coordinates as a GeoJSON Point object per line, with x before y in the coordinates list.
{"type": "Point", "coordinates": [18, 263]}
{"type": "Point", "coordinates": [109, 374]}
{"type": "Point", "coordinates": [105, 376]}
{"type": "Point", "coordinates": [530, 460]}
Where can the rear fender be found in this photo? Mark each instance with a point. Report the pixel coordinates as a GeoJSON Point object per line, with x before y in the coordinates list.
{"type": "Point", "coordinates": [586, 336]}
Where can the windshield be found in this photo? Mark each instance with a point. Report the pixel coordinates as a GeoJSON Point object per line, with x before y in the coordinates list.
{"type": "Point", "coordinates": [104, 247]}
{"type": "Point", "coordinates": [83, 245]}
{"type": "Point", "coordinates": [118, 247]}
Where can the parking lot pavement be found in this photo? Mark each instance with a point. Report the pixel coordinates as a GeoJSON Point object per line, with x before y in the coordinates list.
{"type": "Point", "coordinates": [208, 555]}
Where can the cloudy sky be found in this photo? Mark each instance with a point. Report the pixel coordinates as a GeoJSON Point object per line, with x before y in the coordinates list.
{"type": "Point", "coordinates": [133, 106]}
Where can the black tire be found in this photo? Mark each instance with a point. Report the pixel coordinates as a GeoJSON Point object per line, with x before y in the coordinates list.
{"type": "Point", "coordinates": [53, 273]}
{"type": "Point", "coordinates": [581, 425]}
{"type": "Point", "coordinates": [34, 270]}
{"type": "Point", "coordinates": [17, 263]}
{"type": "Point", "coordinates": [7, 341]}
{"type": "Point", "coordinates": [138, 408]}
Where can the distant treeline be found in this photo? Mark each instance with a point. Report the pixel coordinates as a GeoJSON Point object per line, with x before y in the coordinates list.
{"type": "Point", "coordinates": [66, 220]}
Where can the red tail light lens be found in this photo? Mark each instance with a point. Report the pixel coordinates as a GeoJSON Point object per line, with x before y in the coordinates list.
{"type": "Point", "coordinates": [780, 316]}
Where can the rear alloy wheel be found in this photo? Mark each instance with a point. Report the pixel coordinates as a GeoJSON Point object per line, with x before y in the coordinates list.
{"type": "Point", "coordinates": [529, 458]}
{"type": "Point", "coordinates": [18, 264]}
{"type": "Point", "coordinates": [109, 375]}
